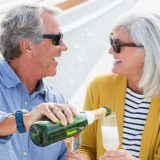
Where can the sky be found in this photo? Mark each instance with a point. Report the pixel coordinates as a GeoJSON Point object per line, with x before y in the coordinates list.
{"type": "Point", "coordinates": [152, 5]}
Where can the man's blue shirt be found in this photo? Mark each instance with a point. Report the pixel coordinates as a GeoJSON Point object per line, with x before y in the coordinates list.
{"type": "Point", "coordinates": [13, 96]}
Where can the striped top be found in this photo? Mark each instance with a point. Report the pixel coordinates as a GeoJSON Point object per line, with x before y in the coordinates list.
{"type": "Point", "coordinates": [135, 115]}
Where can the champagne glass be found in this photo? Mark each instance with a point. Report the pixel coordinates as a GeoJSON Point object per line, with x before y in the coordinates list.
{"type": "Point", "coordinates": [110, 132]}
{"type": "Point", "coordinates": [76, 142]}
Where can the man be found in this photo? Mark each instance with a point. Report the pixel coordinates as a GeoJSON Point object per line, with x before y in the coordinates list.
{"type": "Point", "coordinates": [30, 39]}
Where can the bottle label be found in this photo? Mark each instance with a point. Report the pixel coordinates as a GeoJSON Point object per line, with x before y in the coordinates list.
{"type": "Point", "coordinates": [71, 132]}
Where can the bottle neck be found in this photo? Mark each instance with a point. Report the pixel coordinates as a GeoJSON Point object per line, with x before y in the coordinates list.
{"type": "Point", "coordinates": [90, 117]}
{"type": "Point", "coordinates": [96, 114]}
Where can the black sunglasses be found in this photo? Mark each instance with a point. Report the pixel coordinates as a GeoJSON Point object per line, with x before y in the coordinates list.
{"type": "Point", "coordinates": [117, 45]}
{"type": "Point", "coordinates": [56, 38]}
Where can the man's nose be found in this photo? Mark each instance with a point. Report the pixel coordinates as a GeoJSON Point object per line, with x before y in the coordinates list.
{"type": "Point", "coordinates": [63, 46]}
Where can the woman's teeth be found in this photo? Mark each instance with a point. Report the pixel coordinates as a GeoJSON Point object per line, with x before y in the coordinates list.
{"type": "Point", "coordinates": [117, 60]}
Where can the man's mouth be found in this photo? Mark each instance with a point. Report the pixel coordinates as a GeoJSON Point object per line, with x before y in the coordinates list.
{"type": "Point", "coordinates": [54, 60]}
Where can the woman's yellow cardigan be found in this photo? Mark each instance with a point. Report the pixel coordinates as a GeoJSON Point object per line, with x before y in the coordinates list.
{"type": "Point", "coordinates": [110, 90]}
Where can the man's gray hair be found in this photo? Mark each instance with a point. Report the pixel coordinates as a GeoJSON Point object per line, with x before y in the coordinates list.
{"type": "Point", "coordinates": [144, 29]}
{"type": "Point", "coordinates": [22, 22]}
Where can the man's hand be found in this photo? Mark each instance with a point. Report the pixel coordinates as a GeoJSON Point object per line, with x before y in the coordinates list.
{"type": "Point", "coordinates": [53, 111]}
{"type": "Point", "coordinates": [118, 155]}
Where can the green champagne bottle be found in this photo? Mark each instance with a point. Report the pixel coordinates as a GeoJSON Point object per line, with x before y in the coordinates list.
{"type": "Point", "coordinates": [46, 132]}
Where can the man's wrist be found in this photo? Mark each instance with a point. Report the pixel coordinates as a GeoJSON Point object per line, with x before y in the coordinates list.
{"type": "Point", "coordinates": [27, 121]}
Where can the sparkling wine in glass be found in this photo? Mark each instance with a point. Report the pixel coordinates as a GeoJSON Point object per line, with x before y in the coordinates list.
{"type": "Point", "coordinates": [76, 142]}
{"type": "Point", "coordinates": [110, 132]}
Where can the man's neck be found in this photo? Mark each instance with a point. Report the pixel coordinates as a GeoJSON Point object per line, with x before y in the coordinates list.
{"type": "Point", "coordinates": [25, 73]}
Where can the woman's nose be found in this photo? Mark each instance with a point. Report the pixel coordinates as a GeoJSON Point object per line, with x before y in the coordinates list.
{"type": "Point", "coordinates": [111, 50]}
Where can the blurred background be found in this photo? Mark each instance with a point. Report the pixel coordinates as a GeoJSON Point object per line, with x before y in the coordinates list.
{"type": "Point", "coordinates": [86, 25]}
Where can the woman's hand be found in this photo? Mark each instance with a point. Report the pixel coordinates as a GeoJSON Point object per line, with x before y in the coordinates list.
{"type": "Point", "coordinates": [53, 111]}
{"type": "Point", "coordinates": [118, 155]}
{"type": "Point", "coordinates": [74, 155]}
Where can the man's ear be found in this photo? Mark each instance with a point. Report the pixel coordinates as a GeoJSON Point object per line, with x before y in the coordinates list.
{"type": "Point", "coordinates": [26, 47]}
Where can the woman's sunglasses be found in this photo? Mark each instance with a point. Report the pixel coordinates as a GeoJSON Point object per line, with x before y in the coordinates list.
{"type": "Point", "coordinates": [56, 38]}
{"type": "Point", "coordinates": [117, 45]}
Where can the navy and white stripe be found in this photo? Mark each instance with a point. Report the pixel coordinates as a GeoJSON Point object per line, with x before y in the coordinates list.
{"type": "Point", "coordinates": [135, 115]}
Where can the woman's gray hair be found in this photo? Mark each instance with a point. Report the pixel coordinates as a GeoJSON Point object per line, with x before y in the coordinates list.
{"type": "Point", "coordinates": [22, 22]}
{"type": "Point", "coordinates": [144, 29]}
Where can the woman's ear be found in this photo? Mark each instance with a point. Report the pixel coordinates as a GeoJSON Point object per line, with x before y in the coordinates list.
{"type": "Point", "coordinates": [26, 47]}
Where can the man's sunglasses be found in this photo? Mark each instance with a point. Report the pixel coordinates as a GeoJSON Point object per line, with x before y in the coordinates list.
{"type": "Point", "coordinates": [56, 38]}
{"type": "Point", "coordinates": [117, 45]}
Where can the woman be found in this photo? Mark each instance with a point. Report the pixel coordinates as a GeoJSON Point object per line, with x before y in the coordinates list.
{"type": "Point", "coordinates": [132, 91]}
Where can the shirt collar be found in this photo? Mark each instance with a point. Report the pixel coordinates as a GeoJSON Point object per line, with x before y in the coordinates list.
{"type": "Point", "coordinates": [42, 89]}
{"type": "Point", "coordinates": [8, 75]}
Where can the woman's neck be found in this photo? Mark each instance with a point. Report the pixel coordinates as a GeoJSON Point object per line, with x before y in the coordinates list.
{"type": "Point", "coordinates": [133, 85]}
